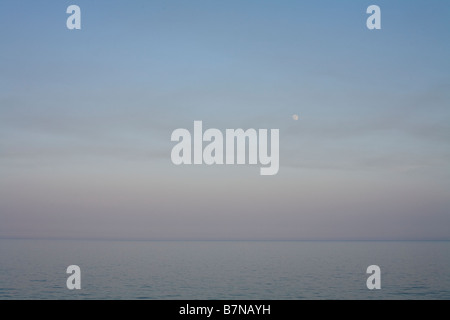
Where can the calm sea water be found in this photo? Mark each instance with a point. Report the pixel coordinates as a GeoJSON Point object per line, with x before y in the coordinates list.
{"type": "Point", "coordinates": [36, 269]}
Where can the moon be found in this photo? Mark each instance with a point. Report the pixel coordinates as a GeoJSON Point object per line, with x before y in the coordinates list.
{"type": "Point", "coordinates": [295, 117]}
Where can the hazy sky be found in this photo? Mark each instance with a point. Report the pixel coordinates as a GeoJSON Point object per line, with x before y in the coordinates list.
{"type": "Point", "coordinates": [86, 118]}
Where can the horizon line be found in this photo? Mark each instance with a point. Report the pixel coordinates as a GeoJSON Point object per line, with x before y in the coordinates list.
{"type": "Point", "coordinates": [217, 240]}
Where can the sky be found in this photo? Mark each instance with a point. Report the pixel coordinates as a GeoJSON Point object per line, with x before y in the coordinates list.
{"type": "Point", "coordinates": [86, 118]}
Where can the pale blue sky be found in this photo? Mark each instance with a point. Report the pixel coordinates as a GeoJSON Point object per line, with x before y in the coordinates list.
{"type": "Point", "coordinates": [86, 118]}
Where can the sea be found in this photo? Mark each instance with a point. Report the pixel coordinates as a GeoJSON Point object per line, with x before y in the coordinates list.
{"type": "Point", "coordinates": [224, 270]}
